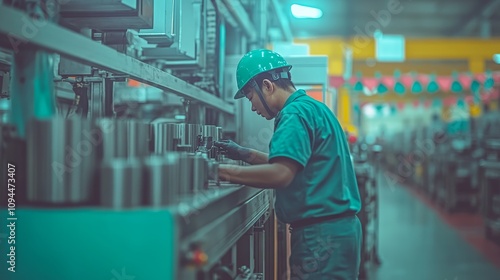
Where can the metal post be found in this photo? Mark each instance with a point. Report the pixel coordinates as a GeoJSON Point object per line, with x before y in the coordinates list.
{"type": "Point", "coordinates": [32, 88]}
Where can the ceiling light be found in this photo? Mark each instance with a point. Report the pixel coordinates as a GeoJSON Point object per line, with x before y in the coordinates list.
{"type": "Point", "coordinates": [496, 58]}
{"type": "Point", "coordinates": [300, 11]}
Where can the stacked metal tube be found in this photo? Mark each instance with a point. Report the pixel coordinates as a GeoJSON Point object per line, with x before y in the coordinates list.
{"type": "Point", "coordinates": [107, 162]}
{"type": "Point", "coordinates": [60, 161]}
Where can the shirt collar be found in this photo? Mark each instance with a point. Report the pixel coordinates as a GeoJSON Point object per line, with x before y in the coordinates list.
{"type": "Point", "coordinates": [290, 99]}
{"type": "Point", "coordinates": [294, 96]}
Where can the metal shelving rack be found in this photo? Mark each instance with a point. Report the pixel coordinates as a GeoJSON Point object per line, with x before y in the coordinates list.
{"type": "Point", "coordinates": [53, 38]}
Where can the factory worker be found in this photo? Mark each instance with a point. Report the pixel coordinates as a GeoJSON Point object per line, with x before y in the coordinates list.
{"type": "Point", "coordinates": [308, 164]}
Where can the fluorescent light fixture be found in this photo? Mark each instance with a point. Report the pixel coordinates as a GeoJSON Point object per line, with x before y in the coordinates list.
{"type": "Point", "coordinates": [300, 11]}
{"type": "Point", "coordinates": [496, 58]}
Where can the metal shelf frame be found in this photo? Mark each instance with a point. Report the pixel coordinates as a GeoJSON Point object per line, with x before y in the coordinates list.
{"type": "Point", "coordinates": [54, 38]}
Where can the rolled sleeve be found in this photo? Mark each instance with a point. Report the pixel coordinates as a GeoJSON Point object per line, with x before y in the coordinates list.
{"type": "Point", "coordinates": [292, 139]}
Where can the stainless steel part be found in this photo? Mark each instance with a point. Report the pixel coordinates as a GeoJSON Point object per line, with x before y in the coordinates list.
{"type": "Point", "coordinates": [120, 138]}
{"type": "Point", "coordinates": [185, 174]}
{"type": "Point", "coordinates": [199, 173]}
{"type": "Point", "coordinates": [160, 135]}
{"type": "Point", "coordinates": [213, 171]}
{"type": "Point", "coordinates": [209, 131]}
{"type": "Point", "coordinates": [120, 183]}
{"type": "Point", "coordinates": [209, 136]}
{"type": "Point", "coordinates": [104, 135]}
{"type": "Point", "coordinates": [193, 136]}
{"type": "Point", "coordinates": [218, 136]}
{"type": "Point", "coordinates": [74, 46]}
{"type": "Point", "coordinates": [99, 98]}
{"type": "Point", "coordinates": [138, 139]}
{"type": "Point", "coordinates": [161, 179]}
{"type": "Point", "coordinates": [179, 135]}
{"type": "Point", "coordinates": [167, 136]}
{"type": "Point", "coordinates": [60, 161]}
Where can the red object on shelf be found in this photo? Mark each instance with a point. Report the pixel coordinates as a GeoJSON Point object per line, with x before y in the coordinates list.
{"type": "Point", "coordinates": [352, 139]}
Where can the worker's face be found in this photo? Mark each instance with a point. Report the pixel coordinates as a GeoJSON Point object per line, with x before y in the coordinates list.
{"type": "Point", "coordinates": [256, 102]}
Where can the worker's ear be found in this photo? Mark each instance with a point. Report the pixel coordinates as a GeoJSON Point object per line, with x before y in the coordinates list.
{"type": "Point", "coordinates": [267, 86]}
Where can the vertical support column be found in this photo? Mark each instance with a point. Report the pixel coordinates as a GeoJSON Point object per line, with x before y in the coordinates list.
{"type": "Point", "coordinates": [222, 54]}
{"type": "Point", "coordinates": [485, 28]}
{"type": "Point", "coordinates": [245, 253]}
{"type": "Point", "coordinates": [32, 88]}
{"type": "Point", "coordinates": [261, 23]}
{"type": "Point", "coordinates": [109, 110]}
{"type": "Point", "coordinates": [32, 72]}
{"type": "Point", "coordinates": [344, 108]}
{"type": "Point", "coordinates": [344, 94]}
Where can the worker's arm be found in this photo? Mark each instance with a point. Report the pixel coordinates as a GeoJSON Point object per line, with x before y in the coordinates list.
{"type": "Point", "coordinates": [257, 157]}
{"type": "Point", "coordinates": [276, 175]}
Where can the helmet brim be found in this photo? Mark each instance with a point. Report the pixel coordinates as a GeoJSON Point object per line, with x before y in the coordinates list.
{"type": "Point", "coordinates": [239, 94]}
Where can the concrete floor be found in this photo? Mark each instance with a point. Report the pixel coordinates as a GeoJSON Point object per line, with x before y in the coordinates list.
{"type": "Point", "coordinates": [418, 241]}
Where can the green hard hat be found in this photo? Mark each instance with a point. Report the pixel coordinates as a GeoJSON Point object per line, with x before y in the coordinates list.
{"type": "Point", "coordinates": [254, 63]}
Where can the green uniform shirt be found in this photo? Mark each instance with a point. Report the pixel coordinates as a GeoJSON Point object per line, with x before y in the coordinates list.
{"type": "Point", "coordinates": [307, 132]}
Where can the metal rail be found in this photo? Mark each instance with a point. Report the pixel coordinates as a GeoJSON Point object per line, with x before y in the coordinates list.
{"type": "Point", "coordinates": [21, 29]}
{"type": "Point", "coordinates": [242, 17]}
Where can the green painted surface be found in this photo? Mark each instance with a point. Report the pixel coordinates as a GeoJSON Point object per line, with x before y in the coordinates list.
{"type": "Point", "coordinates": [88, 244]}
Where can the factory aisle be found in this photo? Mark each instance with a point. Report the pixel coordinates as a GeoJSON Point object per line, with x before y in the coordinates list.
{"type": "Point", "coordinates": [416, 242]}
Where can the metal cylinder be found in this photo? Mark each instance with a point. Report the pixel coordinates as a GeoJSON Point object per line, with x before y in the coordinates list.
{"type": "Point", "coordinates": [104, 134]}
{"type": "Point", "coordinates": [137, 139]}
{"type": "Point", "coordinates": [178, 138]}
{"type": "Point", "coordinates": [213, 172]}
{"type": "Point", "coordinates": [215, 153]}
{"type": "Point", "coordinates": [185, 174]}
{"type": "Point", "coordinates": [120, 183]}
{"type": "Point", "coordinates": [161, 180]}
{"type": "Point", "coordinates": [166, 136]}
{"type": "Point", "coordinates": [192, 137]}
{"type": "Point", "coordinates": [199, 173]}
{"type": "Point", "coordinates": [210, 131]}
{"type": "Point", "coordinates": [159, 134]}
{"type": "Point", "coordinates": [121, 140]}
{"type": "Point", "coordinates": [60, 161]}
{"type": "Point", "coordinates": [209, 136]}
{"type": "Point", "coordinates": [218, 136]}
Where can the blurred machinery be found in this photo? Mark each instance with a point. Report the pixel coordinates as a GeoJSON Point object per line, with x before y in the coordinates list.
{"type": "Point", "coordinates": [458, 171]}
{"type": "Point", "coordinates": [456, 164]}
{"type": "Point", "coordinates": [366, 160]}
{"type": "Point", "coordinates": [113, 108]}
{"type": "Point", "coordinates": [489, 175]}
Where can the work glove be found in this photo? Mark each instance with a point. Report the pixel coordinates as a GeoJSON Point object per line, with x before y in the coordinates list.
{"type": "Point", "coordinates": [233, 150]}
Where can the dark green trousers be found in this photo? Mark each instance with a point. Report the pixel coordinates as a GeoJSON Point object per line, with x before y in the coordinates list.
{"type": "Point", "coordinates": [329, 250]}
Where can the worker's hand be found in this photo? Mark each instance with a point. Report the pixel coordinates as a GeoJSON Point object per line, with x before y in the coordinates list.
{"type": "Point", "coordinates": [233, 150]}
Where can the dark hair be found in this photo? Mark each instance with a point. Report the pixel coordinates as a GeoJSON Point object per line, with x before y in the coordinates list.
{"type": "Point", "coordinates": [283, 83]}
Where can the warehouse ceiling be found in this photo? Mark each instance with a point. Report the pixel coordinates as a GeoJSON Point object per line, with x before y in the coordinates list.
{"type": "Point", "coordinates": [411, 18]}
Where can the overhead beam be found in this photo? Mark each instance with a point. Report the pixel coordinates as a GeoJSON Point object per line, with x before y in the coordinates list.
{"type": "Point", "coordinates": [484, 11]}
{"type": "Point", "coordinates": [224, 12]}
{"type": "Point", "coordinates": [241, 16]}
